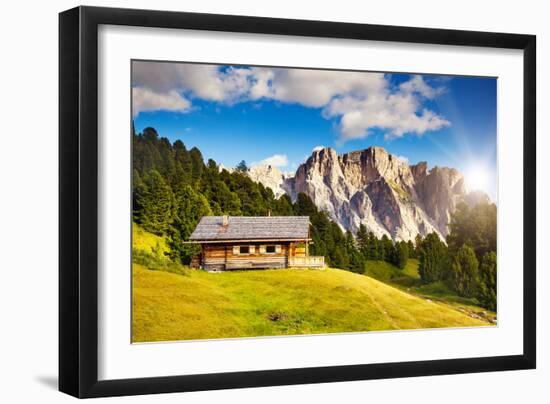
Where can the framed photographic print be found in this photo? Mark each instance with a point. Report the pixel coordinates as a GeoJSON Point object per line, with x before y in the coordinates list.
{"type": "Point", "coordinates": [251, 201]}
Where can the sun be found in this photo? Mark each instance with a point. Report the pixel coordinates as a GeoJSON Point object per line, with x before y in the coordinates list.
{"type": "Point", "coordinates": [477, 177]}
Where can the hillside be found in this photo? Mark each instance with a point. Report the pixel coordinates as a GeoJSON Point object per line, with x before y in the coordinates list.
{"type": "Point", "coordinates": [386, 272]}
{"type": "Point", "coordinates": [194, 304]}
{"type": "Point", "coordinates": [144, 241]}
{"type": "Point", "coordinates": [409, 281]}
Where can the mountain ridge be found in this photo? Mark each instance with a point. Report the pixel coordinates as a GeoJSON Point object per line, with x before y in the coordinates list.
{"type": "Point", "coordinates": [375, 188]}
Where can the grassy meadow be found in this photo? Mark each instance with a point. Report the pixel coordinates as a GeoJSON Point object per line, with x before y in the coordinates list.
{"type": "Point", "coordinates": [409, 281]}
{"type": "Point", "coordinates": [172, 302]}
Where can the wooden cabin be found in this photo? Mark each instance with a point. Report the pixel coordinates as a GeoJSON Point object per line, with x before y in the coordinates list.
{"type": "Point", "coordinates": [246, 242]}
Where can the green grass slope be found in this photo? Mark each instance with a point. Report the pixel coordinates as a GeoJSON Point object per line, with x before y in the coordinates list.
{"type": "Point", "coordinates": [386, 272]}
{"type": "Point", "coordinates": [146, 242]}
{"type": "Point", "coordinates": [409, 281]}
{"type": "Point", "coordinates": [172, 302]}
{"type": "Point", "coordinates": [196, 304]}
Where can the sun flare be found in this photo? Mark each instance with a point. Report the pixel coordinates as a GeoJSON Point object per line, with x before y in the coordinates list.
{"type": "Point", "coordinates": [477, 177]}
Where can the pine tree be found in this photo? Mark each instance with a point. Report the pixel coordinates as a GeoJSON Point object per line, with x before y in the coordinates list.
{"type": "Point", "coordinates": [385, 252]}
{"type": "Point", "coordinates": [156, 202]}
{"type": "Point", "coordinates": [363, 240]}
{"type": "Point", "coordinates": [487, 294]}
{"type": "Point", "coordinates": [197, 164]}
{"type": "Point", "coordinates": [191, 206]}
{"type": "Point", "coordinates": [355, 257]}
{"type": "Point", "coordinates": [417, 245]}
{"type": "Point", "coordinates": [150, 135]}
{"type": "Point", "coordinates": [465, 275]}
{"type": "Point", "coordinates": [304, 206]}
{"type": "Point", "coordinates": [228, 202]}
{"type": "Point", "coordinates": [268, 199]}
{"type": "Point", "coordinates": [166, 164]}
{"type": "Point", "coordinates": [433, 259]}
{"type": "Point", "coordinates": [339, 258]}
{"type": "Point", "coordinates": [242, 167]}
{"type": "Point", "coordinates": [139, 193]}
{"type": "Point", "coordinates": [183, 167]}
{"type": "Point", "coordinates": [373, 252]}
{"type": "Point", "coordinates": [475, 226]}
{"type": "Point", "coordinates": [283, 206]}
{"type": "Point", "coordinates": [412, 251]}
{"type": "Point", "coordinates": [252, 202]}
{"type": "Point", "coordinates": [401, 254]}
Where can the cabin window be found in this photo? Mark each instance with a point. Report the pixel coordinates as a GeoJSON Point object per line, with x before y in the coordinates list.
{"type": "Point", "coordinates": [244, 249]}
{"type": "Point", "coordinates": [270, 249]}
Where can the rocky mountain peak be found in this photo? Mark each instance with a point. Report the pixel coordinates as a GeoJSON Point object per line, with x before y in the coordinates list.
{"type": "Point", "coordinates": [377, 189]}
{"type": "Point", "coordinates": [266, 169]}
{"type": "Point", "coordinates": [419, 171]}
{"type": "Point", "coordinates": [322, 160]}
{"type": "Point", "coordinates": [270, 176]}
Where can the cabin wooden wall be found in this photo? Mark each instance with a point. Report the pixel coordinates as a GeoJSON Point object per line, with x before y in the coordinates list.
{"type": "Point", "coordinates": [221, 257]}
{"type": "Point", "coordinates": [297, 250]}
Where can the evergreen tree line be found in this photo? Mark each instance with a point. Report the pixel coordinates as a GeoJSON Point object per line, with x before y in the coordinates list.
{"type": "Point", "coordinates": [467, 263]}
{"type": "Point", "coordinates": [173, 187]}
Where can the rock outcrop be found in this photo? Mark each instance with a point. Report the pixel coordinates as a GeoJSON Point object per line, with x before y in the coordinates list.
{"type": "Point", "coordinates": [377, 189]}
{"type": "Point", "coordinates": [270, 176]}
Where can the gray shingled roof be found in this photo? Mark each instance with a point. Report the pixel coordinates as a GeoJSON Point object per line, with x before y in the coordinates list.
{"type": "Point", "coordinates": [210, 228]}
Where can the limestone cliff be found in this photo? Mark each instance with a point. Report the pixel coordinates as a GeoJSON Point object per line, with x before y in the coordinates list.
{"type": "Point", "coordinates": [377, 189]}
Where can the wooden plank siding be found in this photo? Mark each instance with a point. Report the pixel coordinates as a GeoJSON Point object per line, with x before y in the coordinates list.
{"type": "Point", "coordinates": [222, 257]}
{"type": "Point", "coordinates": [297, 250]}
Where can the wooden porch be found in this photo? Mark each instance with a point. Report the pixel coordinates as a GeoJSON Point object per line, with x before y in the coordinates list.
{"type": "Point", "coordinates": [306, 262]}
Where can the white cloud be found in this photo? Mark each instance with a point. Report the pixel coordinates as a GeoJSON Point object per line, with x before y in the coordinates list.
{"type": "Point", "coordinates": [277, 160]}
{"type": "Point", "coordinates": [418, 85]}
{"type": "Point", "coordinates": [144, 99]}
{"type": "Point", "coordinates": [397, 113]}
{"type": "Point", "coordinates": [358, 101]}
{"type": "Point", "coordinates": [317, 148]}
{"type": "Point", "coordinates": [312, 88]}
{"type": "Point", "coordinates": [208, 82]}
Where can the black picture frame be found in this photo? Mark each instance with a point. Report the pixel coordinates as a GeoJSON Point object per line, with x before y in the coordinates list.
{"type": "Point", "coordinates": [78, 201]}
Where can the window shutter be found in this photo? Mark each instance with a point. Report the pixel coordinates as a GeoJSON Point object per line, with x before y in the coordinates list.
{"type": "Point", "coordinates": [278, 249]}
{"type": "Point", "coordinates": [235, 250]}
{"type": "Point", "coordinates": [262, 249]}
{"type": "Point", "coordinates": [252, 249]}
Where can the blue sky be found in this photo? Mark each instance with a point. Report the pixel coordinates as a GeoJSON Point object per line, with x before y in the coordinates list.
{"type": "Point", "coordinates": [234, 113]}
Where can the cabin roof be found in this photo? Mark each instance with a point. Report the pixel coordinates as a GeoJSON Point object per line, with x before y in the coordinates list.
{"type": "Point", "coordinates": [251, 228]}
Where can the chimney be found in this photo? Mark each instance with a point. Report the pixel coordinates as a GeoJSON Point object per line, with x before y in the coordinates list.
{"type": "Point", "coordinates": [225, 220]}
